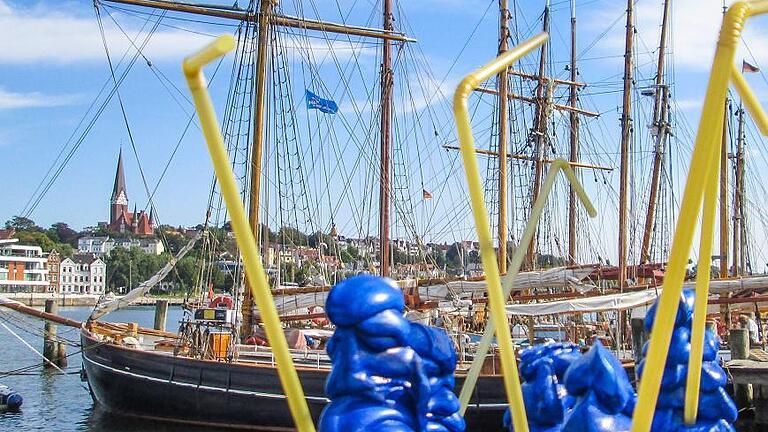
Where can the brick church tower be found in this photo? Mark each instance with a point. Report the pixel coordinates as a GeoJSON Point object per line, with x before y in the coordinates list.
{"type": "Point", "coordinates": [120, 219]}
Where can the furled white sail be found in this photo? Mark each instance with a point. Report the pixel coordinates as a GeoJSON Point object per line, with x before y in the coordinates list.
{"type": "Point", "coordinates": [102, 309]}
{"type": "Point", "coordinates": [558, 277]}
{"type": "Point", "coordinates": [603, 303]}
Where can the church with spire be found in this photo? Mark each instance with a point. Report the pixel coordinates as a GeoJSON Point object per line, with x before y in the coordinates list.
{"type": "Point", "coordinates": [120, 219]}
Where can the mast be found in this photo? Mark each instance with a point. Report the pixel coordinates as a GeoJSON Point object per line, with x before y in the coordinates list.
{"type": "Point", "coordinates": [244, 15]}
{"type": "Point", "coordinates": [574, 138]}
{"type": "Point", "coordinates": [660, 126]}
{"type": "Point", "coordinates": [738, 198]}
{"type": "Point", "coordinates": [257, 150]}
{"type": "Point", "coordinates": [724, 196]}
{"type": "Point", "coordinates": [540, 133]}
{"type": "Point", "coordinates": [626, 135]}
{"type": "Point", "coordinates": [502, 82]}
{"type": "Point", "coordinates": [386, 141]}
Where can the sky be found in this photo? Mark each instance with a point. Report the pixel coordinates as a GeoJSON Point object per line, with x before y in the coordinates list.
{"type": "Point", "coordinates": [53, 65]}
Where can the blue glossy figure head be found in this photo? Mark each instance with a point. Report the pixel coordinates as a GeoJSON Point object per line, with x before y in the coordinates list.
{"type": "Point", "coordinates": [388, 373]}
{"type": "Point", "coordinates": [547, 402]}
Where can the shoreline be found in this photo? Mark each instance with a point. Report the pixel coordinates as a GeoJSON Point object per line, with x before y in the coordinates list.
{"type": "Point", "coordinates": [38, 299]}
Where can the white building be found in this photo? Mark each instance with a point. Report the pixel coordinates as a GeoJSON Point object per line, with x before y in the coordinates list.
{"type": "Point", "coordinates": [83, 274]}
{"type": "Point", "coordinates": [98, 246]}
{"type": "Point", "coordinates": [101, 246]}
{"type": "Point", "coordinates": [22, 268]}
{"type": "Point", "coordinates": [150, 246]}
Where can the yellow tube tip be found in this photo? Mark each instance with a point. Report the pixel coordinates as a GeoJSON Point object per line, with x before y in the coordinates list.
{"type": "Point", "coordinates": [217, 48]}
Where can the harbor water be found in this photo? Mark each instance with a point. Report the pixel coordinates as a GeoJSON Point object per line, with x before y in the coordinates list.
{"type": "Point", "coordinates": [56, 402]}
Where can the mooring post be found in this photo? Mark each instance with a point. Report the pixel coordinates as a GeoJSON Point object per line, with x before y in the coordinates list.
{"type": "Point", "coordinates": [738, 341]}
{"type": "Point", "coordinates": [638, 338]}
{"type": "Point", "coordinates": [161, 311]}
{"type": "Point", "coordinates": [50, 343]}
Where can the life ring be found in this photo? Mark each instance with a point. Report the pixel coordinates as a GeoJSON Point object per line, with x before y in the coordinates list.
{"type": "Point", "coordinates": [323, 321]}
{"type": "Point", "coordinates": [255, 340]}
{"type": "Point", "coordinates": [222, 300]}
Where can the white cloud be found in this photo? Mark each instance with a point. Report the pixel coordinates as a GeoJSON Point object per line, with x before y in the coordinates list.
{"type": "Point", "coordinates": [693, 34]}
{"type": "Point", "coordinates": [689, 104]}
{"type": "Point", "coordinates": [37, 35]}
{"type": "Point", "coordinates": [14, 100]}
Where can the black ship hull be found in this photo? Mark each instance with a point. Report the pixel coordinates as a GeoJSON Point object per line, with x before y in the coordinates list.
{"type": "Point", "coordinates": [235, 395]}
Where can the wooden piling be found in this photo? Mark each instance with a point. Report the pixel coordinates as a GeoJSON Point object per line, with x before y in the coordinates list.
{"type": "Point", "coordinates": [161, 312]}
{"type": "Point", "coordinates": [50, 341]}
{"type": "Point", "coordinates": [638, 338]}
{"type": "Point", "coordinates": [738, 341]}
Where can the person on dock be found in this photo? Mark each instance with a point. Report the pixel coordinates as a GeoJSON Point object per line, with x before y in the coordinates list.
{"type": "Point", "coordinates": [748, 322]}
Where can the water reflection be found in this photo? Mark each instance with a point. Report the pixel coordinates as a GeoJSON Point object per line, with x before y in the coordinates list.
{"type": "Point", "coordinates": [96, 419]}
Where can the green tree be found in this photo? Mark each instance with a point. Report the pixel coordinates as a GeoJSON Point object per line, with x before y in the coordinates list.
{"type": "Point", "coordinates": [61, 232]}
{"type": "Point", "coordinates": [350, 254]}
{"type": "Point", "coordinates": [292, 236]}
{"type": "Point", "coordinates": [21, 223]}
{"type": "Point", "coordinates": [453, 256]}
{"type": "Point", "coordinates": [399, 257]}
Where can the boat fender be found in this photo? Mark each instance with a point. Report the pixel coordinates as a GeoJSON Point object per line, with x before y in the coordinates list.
{"type": "Point", "coordinates": [9, 399]}
{"type": "Point", "coordinates": [222, 301]}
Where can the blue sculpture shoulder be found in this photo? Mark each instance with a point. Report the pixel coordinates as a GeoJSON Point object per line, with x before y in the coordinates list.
{"type": "Point", "coordinates": [388, 374]}
{"type": "Point", "coordinates": [717, 412]}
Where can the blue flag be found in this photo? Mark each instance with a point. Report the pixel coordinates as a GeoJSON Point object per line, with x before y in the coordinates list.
{"type": "Point", "coordinates": [316, 102]}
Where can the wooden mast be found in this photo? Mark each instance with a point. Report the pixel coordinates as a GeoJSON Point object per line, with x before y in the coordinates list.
{"type": "Point", "coordinates": [574, 139]}
{"type": "Point", "coordinates": [257, 150]}
{"type": "Point", "coordinates": [724, 196]}
{"type": "Point", "coordinates": [660, 126]}
{"type": "Point", "coordinates": [738, 200]}
{"type": "Point", "coordinates": [386, 141]}
{"type": "Point", "coordinates": [540, 132]}
{"type": "Point", "coordinates": [502, 82]}
{"type": "Point", "coordinates": [626, 135]}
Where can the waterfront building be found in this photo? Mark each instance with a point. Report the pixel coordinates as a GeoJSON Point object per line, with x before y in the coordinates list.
{"type": "Point", "coordinates": [150, 246]}
{"type": "Point", "coordinates": [53, 264]}
{"type": "Point", "coordinates": [96, 245]}
{"type": "Point", "coordinates": [120, 219]}
{"type": "Point", "coordinates": [102, 246]}
{"type": "Point", "coordinates": [22, 268]}
{"type": "Point", "coordinates": [83, 274]}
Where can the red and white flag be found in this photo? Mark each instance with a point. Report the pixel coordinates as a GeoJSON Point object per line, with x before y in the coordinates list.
{"type": "Point", "coordinates": [746, 67]}
{"type": "Point", "coordinates": [425, 193]}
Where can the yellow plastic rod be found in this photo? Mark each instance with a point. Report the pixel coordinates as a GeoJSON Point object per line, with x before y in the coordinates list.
{"type": "Point", "coordinates": [690, 208]}
{"type": "Point", "coordinates": [693, 379]}
{"type": "Point", "coordinates": [750, 100]}
{"type": "Point", "coordinates": [254, 271]}
{"type": "Point", "coordinates": [480, 213]}
{"type": "Point", "coordinates": [517, 260]}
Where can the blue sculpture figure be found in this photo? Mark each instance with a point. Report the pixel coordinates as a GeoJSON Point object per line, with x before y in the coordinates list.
{"type": "Point", "coordinates": [388, 374]}
{"type": "Point", "coordinates": [717, 412]}
{"type": "Point", "coordinates": [604, 396]}
{"type": "Point", "coordinates": [542, 368]}
{"type": "Point", "coordinates": [565, 391]}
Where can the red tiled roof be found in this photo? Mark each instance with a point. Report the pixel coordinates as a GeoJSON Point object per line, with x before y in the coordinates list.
{"type": "Point", "coordinates": [6, 234]}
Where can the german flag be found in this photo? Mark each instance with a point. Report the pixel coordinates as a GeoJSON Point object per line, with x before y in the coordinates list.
{"type": "Point", "coordinates": [748, 68]}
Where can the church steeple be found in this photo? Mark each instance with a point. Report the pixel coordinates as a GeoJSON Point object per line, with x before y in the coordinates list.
{"type": "Point", "coordinates": [119, 181]}
{"type": "Point", "coordinates": [119, 201]}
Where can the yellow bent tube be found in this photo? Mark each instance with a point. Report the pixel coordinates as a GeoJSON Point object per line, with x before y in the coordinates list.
{"type": "Point", "coordinates": [496, 297]}
{"type": "Point", "coordinates": [254, 270]}
{"type": "Point", "coordinates": [517, 261]}
{"type": "Point", "coordinates": [699, 179]}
